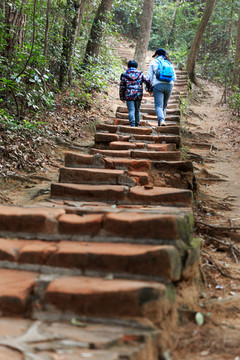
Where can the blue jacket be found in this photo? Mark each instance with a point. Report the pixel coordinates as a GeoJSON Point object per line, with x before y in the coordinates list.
{"type": "Point", "coordinates": [152, 70]}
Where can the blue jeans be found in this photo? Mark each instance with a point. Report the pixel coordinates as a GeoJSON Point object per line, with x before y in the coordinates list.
{"type": "Point", "coordinates": [134, 111]}
{"type": "Point", "coordinates": [161, 93]}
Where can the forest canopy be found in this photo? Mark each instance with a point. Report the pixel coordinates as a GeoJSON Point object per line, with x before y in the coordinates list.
{"type": "Point", "coordinates": [49, 46]}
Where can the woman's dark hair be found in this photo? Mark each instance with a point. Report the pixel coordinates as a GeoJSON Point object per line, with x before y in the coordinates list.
{"type": "Point", "coordinates": [132, 63]}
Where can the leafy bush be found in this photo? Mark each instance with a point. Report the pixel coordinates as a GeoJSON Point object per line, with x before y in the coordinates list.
{"type": "Point", "coordinates": [235, 100]}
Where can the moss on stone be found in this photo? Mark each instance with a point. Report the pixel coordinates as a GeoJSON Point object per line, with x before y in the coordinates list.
{"type": "Point", "coordinates": [185, 228]}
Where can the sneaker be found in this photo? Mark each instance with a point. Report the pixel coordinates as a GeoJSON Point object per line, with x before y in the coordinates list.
{"type": "Point", "coordinates": [162, 123]}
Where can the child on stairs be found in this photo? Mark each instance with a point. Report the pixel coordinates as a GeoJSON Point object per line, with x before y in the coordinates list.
{"type": "Point", "coordinates": [131, 91]}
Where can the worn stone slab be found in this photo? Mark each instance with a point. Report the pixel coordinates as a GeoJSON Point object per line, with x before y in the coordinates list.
{"type": "Point", "coordinates": [169, 118]}
{"type": "Point", "coordinates": [126, 122]}
{"type": "Point", "coordinates": [126, 164]}
{"type": "Point", "coordinates": [75, 159]}
{"type": "Point", "coordinates": [175, 139]}
{"type": "Point", "coordinates": [125, 145]}
{"type": "Point", "coordinates": [161, 147]}
{"type": "Point", "coordinates": [104, 137]}
{"type": "Point", "coordinates": [31, 219]}
{"type": "Point", "coordinates": [122, 145]}
{"type": "Point", "coordinates": [117, 153]}
{"type": "Point", "coordinates": [74, 224]}
{"type": "Point", "coordinates": [157, 155]}
{"type": "Point", "coordinates": [135, 130]}
{"type": "Point", "coordinates": [162, 261]}
{"type": "Point", "coordinates": [106, 127]}
{"type": "Point", "coordinates": [160, 196]}
{"type": "Point", "coordinates": [109, 193]}
{"type": "Point", "coordinates": [47, 340]}
{"type": "Point", "coordinates": [15, 291]}
{"type": "Point", "coordinates": [168, 129]}
{"type": "Point", "coordinates": [89, 175]}
{"type": "Point", "coordinates": [137, 225]}
{"type": "Point", "coordinates": [105, 298]}
{"type": "Point", "coordinates": [141, 177]}
{"type": "Point", "coordinates": [185, 166]}
{"type": "Point", "coordinates": [122, 115]}
{"type": "Point", "coordinates": [144, 108]}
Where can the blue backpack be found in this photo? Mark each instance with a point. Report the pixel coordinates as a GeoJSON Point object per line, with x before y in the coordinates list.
{"type": "Point", "coordinates": [165, 71]}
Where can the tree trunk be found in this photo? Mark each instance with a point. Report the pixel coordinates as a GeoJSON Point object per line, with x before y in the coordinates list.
{"type": "Point", "coordinates": [71, 16]}
{"type": "Point", "coordinates": [192, 57]}
{"type": "Point", "coordinates": [93, 45]}
{"type": "Point", "coordinates": [15, 23]}
{"type": "Point", "coordinates": [170, 35]}
{"type": "Point", "coordinates": [236, 69]}
{"type": "Point", "coordinates": [224, 96]}
{"type": "Point", "coordinates": [79, 21]}
{"type": "Point", "coordinates": [46, 30]}
{"type": "Point", "coordinates": [144, 33]}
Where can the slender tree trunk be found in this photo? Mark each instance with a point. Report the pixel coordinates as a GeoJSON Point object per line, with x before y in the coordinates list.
{"type": "Point", "coordinates": [79, 21]}
{"type": "Point", "coordinates": [15, 22]}
{"type": "Point", "coordinates": [236, 69]}
{"type": "Point", "coordinates": [192, 57]}
{"type": "Point", "coordinates": [224, 96]}
{"type": "Point", "coordinates": [144, 33]}
{"type": "Point", "coordinates": [93, 45]}
{"type": "Point", "coordinates": [71, 15]}
{"type": "Point", "coordinates": [170, 35]}
{"type": "Point", "coordinates": [46, 30]}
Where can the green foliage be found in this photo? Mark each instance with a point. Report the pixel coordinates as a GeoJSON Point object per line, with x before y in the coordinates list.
{"type": "Point", "coordinates": [29, 80]}
{"type": "Point", "coordinates": [235, 100]}
{"type": "Point", "coordinates": [126, 15]}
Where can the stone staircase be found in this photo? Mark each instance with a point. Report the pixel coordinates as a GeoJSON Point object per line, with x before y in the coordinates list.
{"type": "Point", "coordinates": [110, 249]}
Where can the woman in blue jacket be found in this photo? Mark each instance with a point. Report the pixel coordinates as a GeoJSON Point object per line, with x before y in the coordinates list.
{"type": "Point", "coordinates": [161, 89]}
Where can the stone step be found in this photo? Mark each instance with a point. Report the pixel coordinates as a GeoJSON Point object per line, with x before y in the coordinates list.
{"type": "Point", "coordinates": [124, 129]}
{"type": "Point", "coordinates": [97, 297]}
{"type": "Point", "coordinates": [16, 289]}
{"type": "Point", "coordinates": [102, 176]}
{"type": "Point", "coordinates": [159, 139]}
{"type": "Point", "coordinates": [169, 129]}
{"type": "Point", "coordinates": [151, 120]}
{"type": "Point", "coordinates": [70, 341]}
{"type": "Point", "coordinates": [122, 194]}
{"type": "Point", "coordinates": [106, 137]}
{"type": "Point", "coordinates": [115, 153]}
{"type": "Point", "coordinates": [76, 160]}
{"type": "Point", "coordinates": [148, 108]}
{"type": "Point", "coordinates": [80, 295]}
{"type": "Point", "coordinates": [125, 145]}
{"type": "Point", "coordinates": [77, 258]}
{"type": "Point", "coordinates": [105, 223]}
{"type": "Point", "coordinates": [93, 176]}
{"type": "Point", "coordinates": [163, 138]}
{"type": "Point", "coordinates": [154, 152]}
{"type": "Point", "coordinates": [174, 118]}
{"type": "Point", "coordinates": [124, 115]}
{"type": "Point", "coordinates": [157, 155]}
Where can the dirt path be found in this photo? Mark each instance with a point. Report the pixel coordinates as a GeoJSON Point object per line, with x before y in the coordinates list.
{"type": "Point", "coordinates": [212, 139]}
{"type": "Point", "coordinates": [212, 122]}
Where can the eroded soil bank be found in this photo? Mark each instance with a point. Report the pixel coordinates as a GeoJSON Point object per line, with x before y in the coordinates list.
{"type": "Point", "coordinates": [211, 139]}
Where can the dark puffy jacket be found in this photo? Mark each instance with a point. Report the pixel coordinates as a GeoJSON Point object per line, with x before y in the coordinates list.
{"type": "Point", "coordinates": [131, 85]}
